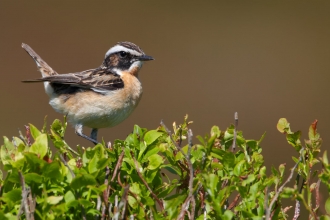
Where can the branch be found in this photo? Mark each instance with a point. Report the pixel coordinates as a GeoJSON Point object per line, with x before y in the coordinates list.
{"type": "Point", "coordinates": [25, 202]}
{"type": "Point", "coordinates": [123, 202]}
{"type": "Point", "coordinates": [190, 197]}
{"type": "Point", "coordinates": [119, 162]}
{"type": "Point", "coordinates": [317, 194]}
{"type": "Point", "coordinates": [134, 195]}
{"type": "Point", "coordinates": [146, 184]}
{"type": "Point", "coordinates": [170, 135]}
{"type": "Point", "coordinates": [296, 210]}
{"type": "Point", "coordinates": [106, 192]}
{"type": "Point", "coordinates": [234, 203]}
{"type": "Point", "coordinates": [66, 164]}
{"type": "Point", "coordinates": [268, 210]}
{"type": "Point", "coordinates": [235, 132]}
{"type": "Point", "coordinates": [28, 134]}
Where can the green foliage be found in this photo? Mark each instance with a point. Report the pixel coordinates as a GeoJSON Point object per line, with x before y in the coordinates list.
{"type": "Point", "coordinates": [158, 175]}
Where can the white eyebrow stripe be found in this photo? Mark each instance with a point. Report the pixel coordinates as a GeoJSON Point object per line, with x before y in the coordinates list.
{"type": "Point", "coordinates": [118, 48]}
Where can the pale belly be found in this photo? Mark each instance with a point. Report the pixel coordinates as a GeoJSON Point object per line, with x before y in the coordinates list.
{"type": "Point", "coordinates": [95, 110]}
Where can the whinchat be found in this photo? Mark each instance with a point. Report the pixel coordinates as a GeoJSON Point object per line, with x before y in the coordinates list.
{"type": "Point", "coordinates": [96, 98]}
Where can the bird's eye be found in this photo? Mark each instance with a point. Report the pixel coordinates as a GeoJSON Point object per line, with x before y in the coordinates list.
{"type": "Point", "coordinates": [122, 54]}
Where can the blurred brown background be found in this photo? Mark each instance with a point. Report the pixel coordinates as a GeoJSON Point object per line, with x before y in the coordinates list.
{"type": "Point", "coordinates": [265, 60]}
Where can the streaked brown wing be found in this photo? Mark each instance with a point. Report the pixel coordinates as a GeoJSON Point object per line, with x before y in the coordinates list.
{"type": "Point", "coordinates": [96, 79]}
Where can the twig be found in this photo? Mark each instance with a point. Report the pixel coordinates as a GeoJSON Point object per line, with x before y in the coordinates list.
{"type": "Point", "coordinates": [22, 137]}
{"type": "Point", "coordinates": [25, 202]}
{"type": "Point", "coordinates": [66, 164]}
{"type": "Point", "coordinates": [109, 210]}
{"type": "Point", "coordinates": [103, 211]}
{"type": "Point", "coordinates": [119, 162]}
{"type": "Point", "coordinates": [134, 195]}
{"type": "Point", "coordinates": [28, 134]}
{"type": "Point", "coordinates": [286, 209]}
{"type": "Point", "coordinates": [190, 197]}
{"type": "Point", "coordinates": [204, 208]}
{"type": "Point", "coordinates": [123, 202]}
{"type": "Point", "coordinates": [106, 192]}
{"type": "Point", "coordinates": [234, 203]}
{"type": "Point", "coordinates": [141, 205]}
{"type": "Point", "coordinates": [296, 210]}
{"type": "Point", "coordinates": [268, 211]}
{"type": "Point", "coordinates": [98, 206]}
{"type": "Point", "coordinates": [32, 202]}
{"type": "Point", "coordinates": [317, 194]}
{"type": "Point", "coordinates": [266, 200]}
{"type": "Point", "coordinates": [83, 213]}
{"type": "Point", "coordinates": [146, 184]}
{"type": "Point", "coordinates": [170, 135]}
{"type": "Point", "coordinates": [235, 132]}
{"type": "Point", "coordinates": [193, 208]}
{"type": "Point", "coordinates": [73, 176]}
{"type": "Point", "coordinates": [191, 175]}
{"type": "Point", "coordinates": [116, 209]}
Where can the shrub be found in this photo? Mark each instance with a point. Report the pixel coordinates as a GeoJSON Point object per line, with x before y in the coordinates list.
{"type": "Point", "coordinates": [158, 174]}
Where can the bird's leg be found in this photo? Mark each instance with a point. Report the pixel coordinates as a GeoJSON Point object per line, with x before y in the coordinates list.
{"type": "Point", "coordinates": [79, 132]}
{"type": "Point", "coordinates": [94, 134]}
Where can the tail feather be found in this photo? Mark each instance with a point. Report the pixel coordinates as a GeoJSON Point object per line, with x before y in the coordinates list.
{"type": "Point", "coordinates": [33, 80]}
{"type": "Point", "coordinates": [44, 68]}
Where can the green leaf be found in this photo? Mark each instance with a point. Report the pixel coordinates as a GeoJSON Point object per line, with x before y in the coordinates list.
{"type": "Point", "coordinates": [172, 169]}
{"type": "Point", "coordinates": [239, 168]}
{"type": "Point", "coordinates": [173, 204]}
{"type": "Point", "coordinates": [86, 203]}
{"type": "Point", "coordinates": [58, 127]}
{"type": "Point", "coordinates": [283, 126]}
{"type": "Point", "coordinates": [154, 162]}
{"type": "Point", "coordinates": [132, 202]}
{"type": "Point", "coordinates": [262, 137]}
{"type": "Point", "coordinates": [228, 215]}
{"type": "Point", "coordinates": [152, 136]}
{"type": "Point", "coordinates": [139, 131]}
{"type": "Point", "coordinates": [325, 160]}
{"type": "Point", "coordinates": [150, 152]}
{"type": "Point", "coordinates": [281, 168]}
{"type": "Point", "coordinates": [6, 151]}
{"type": "Point", "coordinates": [82, 180]}
{"type": "Point", "coordinates": [150, 175]}
{"type": "Point", "coordinates": [69, 197]}
{"type": "Point", "coordinates": [325, 217]}
{"type": "Point", "coordinates": [13, 195]}
{"type": "Point", "coordinates": [212, 181]}
{"type": "Point", "coordinates": [40, 146]}
{"type": "Point", "coordinates": [52, 171]}
{"type": "Point", "coordinates": [53, 200]}
{"type": "Point", "coordinates": [294, 140]}
{"type": "Point", "coordinates": [327, 206]}
{"type": "Point", "coordinates": [249, 180]}
{"type": "Point", "coordinates": [135, 188]}
{"type": "Point", "coordinates": [102, 163]}
{"type": "Point", "coordinates": [288, 192]}
{"type": "Point", "coordinates": [33, 177]}
{"type": "Point", "coordinates": [215, 131]}
{"type": "Point", "coordinates": [92, 166]}
{"type": "Point", "coordinates": [34, 131]}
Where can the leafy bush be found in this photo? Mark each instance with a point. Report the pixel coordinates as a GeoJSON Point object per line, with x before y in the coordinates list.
{"type": "Point", "coordinates": [158, 174]}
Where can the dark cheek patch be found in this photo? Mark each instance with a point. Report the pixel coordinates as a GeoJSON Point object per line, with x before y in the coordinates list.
{"type": "Point", "coordinates": [114, 60]}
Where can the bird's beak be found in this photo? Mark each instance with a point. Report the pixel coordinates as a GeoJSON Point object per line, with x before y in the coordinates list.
{"type": "Point", "coordinates": [145, 58]}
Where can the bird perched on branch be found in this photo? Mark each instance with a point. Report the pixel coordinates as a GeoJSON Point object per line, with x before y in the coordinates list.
{"type": "Point", "coordinates": [96, 98]}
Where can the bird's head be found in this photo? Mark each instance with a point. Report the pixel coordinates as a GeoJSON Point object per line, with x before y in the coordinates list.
{"type": "Point", "coordinates": [125, 57]}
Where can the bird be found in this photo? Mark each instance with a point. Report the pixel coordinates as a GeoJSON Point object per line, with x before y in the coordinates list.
{"type": "Point", "coordinates": [95, 98]}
